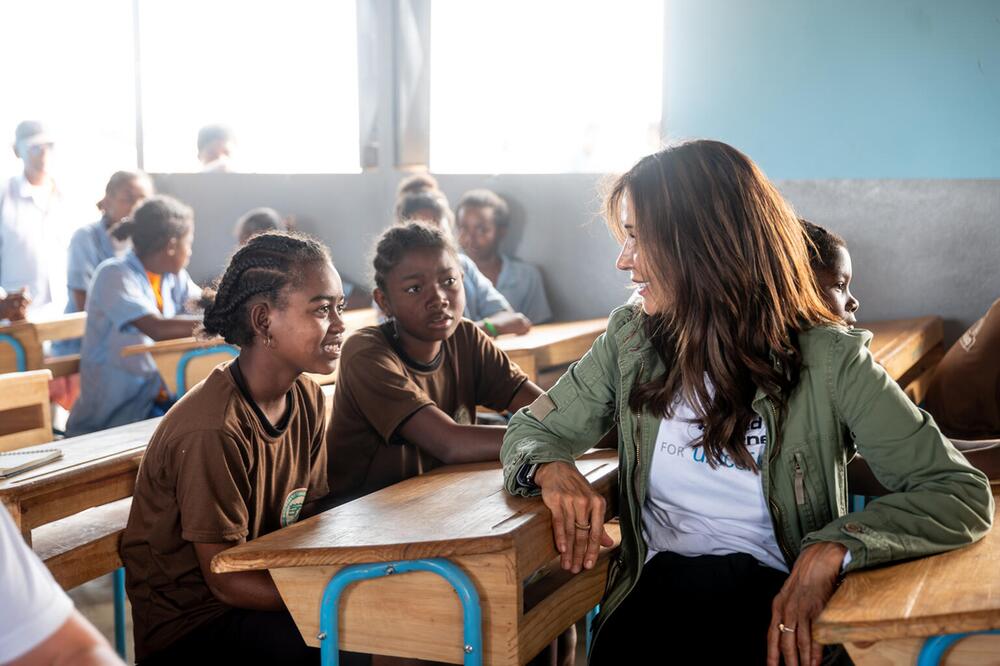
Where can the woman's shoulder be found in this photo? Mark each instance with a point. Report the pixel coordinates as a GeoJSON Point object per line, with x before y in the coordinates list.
{"type": "Point", "coordinates": [626, 321]}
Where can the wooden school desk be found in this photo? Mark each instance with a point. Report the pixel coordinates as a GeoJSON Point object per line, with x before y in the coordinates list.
{"type": "Point", "coordinates": [550, 345]}
{"type": "Point", "coordinates": [21, 344]}
{"type": "Point", "coordinates": [885, 616]}
{"type": "Point", "coordinates": [909, 350]}
{"type": "Point", "coordinates": [184, 362]}
{"type": "Point", "coordinates": [95, 469]}
{"type": "Point", "coordinates": [460, 515]}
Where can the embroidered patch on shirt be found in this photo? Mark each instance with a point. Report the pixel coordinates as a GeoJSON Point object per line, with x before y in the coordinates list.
{"type": "Point", "coordinates": [542, 406]}
{"type": "Point", "coordinates": [292, 507]}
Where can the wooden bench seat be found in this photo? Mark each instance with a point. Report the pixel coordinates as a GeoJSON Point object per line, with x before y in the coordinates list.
{"type": "Point", "coordinates": [85, 545]}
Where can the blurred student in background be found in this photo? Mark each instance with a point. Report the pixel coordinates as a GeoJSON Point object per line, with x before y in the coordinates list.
{"type": "Point", "coordinates": [483, 219]}
{"type": "Point", "coordinates": [33, 234]}
{"type": "Point", "coordinates": [216, 144]}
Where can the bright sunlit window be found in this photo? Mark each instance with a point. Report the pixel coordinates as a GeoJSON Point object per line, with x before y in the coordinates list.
{"type": "Point", "coordinates": [282, 75]}
{"type": "Point", "coordinates": [522, 86]}
{"type": "Point", "coordinates": [69, 65]}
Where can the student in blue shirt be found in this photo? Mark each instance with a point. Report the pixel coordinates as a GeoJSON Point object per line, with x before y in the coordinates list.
{"type": "Point", "coordinates": [94, 243]}
{"type": "Point", "coordinates": [483, 219]}
{"type": "Point", "coordinates": [134, 299]}
{"type": "Point", "coordinates": [483, 303]}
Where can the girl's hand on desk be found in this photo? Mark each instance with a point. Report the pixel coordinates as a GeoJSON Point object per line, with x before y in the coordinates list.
{"type": "Point", "coordinates": [509, 322]}
{"type": "Point", "coordinates": [572, 501]}
{"type": "Point", "coordinates": [801, 599]}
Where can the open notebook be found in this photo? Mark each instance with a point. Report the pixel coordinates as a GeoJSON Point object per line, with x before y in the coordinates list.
{"type": "Point", "coordinates": [15, 462]}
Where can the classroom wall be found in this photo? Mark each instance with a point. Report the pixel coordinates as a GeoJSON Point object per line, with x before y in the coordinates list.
{"type": "Point", "coordinates": [845, 89]}
{"type": "Point", "coordinates": [919, 246]}
{"type": "Point", "coordinates": [878, 120]}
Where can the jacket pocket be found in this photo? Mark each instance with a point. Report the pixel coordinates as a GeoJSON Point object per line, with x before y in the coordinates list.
{"type": "Point", "coordinates": [808, 484]}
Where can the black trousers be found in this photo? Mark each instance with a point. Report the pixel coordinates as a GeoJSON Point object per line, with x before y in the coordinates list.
{"type": "Point", "coordinates": [715, 606]}
{"type": "Point", "coordinates": [245, 637]}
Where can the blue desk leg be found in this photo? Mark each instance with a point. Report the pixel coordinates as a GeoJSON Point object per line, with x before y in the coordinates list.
{"type": "Point", "coordinates": [471, 611]}
{"type": "Point", "coordinates": [119, 585]}
{"type": "Point", "coordinates": [936, 646]}
{"type": "Point", "coordinates": [591, 615]}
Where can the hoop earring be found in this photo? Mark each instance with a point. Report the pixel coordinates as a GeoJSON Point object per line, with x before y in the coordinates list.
{"type": "Point", "coordinates": [268, 341]}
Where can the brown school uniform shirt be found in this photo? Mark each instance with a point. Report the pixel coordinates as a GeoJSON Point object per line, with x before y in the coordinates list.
{"type": "Point", "coordinates": [379, 388]}
{"type": "Point", "coordinates": [964, 393]}
{"type": "Point", "coordinates": [215, 471]}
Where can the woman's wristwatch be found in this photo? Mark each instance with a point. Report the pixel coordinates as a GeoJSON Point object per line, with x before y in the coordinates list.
{"type": "Point", "coordinates": [525, 477]}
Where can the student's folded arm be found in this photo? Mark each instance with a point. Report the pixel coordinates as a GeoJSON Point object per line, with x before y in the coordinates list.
{"type": "Point", "coordinates": [160, 328]}
{"type": "Point", "coordinates": [252, 590]}
{"type": "Point", "coordinates": [433, 431]}
{"type": "Point", "coordinates": [939, 501]}
{"type": "Point", "coordinates": [569, 418]}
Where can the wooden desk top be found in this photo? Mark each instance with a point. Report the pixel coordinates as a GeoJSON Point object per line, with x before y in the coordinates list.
{"type": "Point", "coordinates": [555, 344]}
{"type": "Point", "coordinates": [175, 345]}
{"type": "Point", "coordinates": [82, 457]}
{"type": "Point", "coordinates": [457, 510]}
{"type": "Point", "coordinates": [95, 469]}
{"type": "Point", "coordinates": [899, 343]}
{"type": "Point", "coordinates": [62, 327]}
{"type": "Point", "coordinates": [953, 592]}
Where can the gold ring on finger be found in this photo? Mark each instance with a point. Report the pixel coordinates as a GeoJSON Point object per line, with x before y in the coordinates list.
{"type": "Point", "coordinates": [581, 526]}
{"type": "Point", "coordinates": [786, 630]}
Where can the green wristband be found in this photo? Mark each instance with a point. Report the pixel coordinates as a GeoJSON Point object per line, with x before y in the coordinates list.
{"type": "Point", "coordinates": [490, 328]}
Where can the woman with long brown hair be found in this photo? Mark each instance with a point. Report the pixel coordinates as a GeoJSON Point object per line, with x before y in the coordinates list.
{"type": "Point", "coordinates": [731, 386]}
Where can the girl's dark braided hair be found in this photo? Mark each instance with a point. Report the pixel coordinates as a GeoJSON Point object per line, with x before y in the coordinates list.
{"type": "Point", "coordinates": [263, 267]}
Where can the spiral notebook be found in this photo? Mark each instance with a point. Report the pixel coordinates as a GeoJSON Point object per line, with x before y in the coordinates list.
{"type": "Point", "coordinates": [15, 462]}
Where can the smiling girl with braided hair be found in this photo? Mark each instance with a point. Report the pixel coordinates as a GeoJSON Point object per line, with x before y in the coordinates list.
{"type": "Point", "coordinates": [236, 458]}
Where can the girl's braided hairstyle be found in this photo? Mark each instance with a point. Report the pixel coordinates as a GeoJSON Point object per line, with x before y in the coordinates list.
{"type": "Point", "coordinates": [396, 241]}
{"type": "Point", "coordinates": [263, 267]}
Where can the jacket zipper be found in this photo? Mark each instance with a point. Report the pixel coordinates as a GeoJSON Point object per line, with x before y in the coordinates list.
{"type": "Point", "coordinates": [637, 474]}
{"type": "Point", "coordinates": [800, 483]}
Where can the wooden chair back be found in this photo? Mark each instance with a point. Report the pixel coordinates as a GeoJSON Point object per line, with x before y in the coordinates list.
{"type": "Point", "coordinates": [25, 417]}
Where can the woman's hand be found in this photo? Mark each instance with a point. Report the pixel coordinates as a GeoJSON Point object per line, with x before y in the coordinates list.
{"type": "Point", "coordinates": [577, 514]}
{"type": "Point", "coordinates": [801, 599]}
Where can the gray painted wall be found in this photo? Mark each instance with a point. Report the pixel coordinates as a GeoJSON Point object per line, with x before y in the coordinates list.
{"type": "Point", "coordinates": [919, 246]}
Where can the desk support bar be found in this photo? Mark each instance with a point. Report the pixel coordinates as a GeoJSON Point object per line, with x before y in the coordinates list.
{"type": "Point", "coordinates": [935, 647]}
{"type": "Point", "coordinates": [471, 611]}
{"type": "Point", "coordinates": [20, 359]}
{"type": "Point", "coordinates": [190, 355]}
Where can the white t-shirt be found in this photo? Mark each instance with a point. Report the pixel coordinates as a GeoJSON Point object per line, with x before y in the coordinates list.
{"type": "Point", "coordinates": [692, 509]}
{"type": "Point", "coordinates": [33, 244]}
{"type": "Point", "coordinates": [32, 605]}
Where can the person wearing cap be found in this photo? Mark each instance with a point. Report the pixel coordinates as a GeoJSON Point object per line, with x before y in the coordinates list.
{"type": "Point", "coordinates": [33, 237]}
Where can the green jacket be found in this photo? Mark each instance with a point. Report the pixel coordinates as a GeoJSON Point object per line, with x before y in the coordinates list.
{"type": "Point", "coordinates": [939, 501]}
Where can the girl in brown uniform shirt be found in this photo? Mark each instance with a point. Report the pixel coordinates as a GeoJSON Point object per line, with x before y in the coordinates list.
{"type": "Point", "coordinates": [237, 457]}
{"type": "Point", "coordinates": [407, 390]}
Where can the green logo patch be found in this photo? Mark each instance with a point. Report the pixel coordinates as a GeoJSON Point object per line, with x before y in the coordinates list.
{"type": "Point", "coordinates": [292, 507]}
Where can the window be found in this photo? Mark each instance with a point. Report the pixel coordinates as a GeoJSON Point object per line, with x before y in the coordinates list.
{"type": "Point", "coordinates": [69, 64]}
{"type": "Point", "coordinates": [282, 75]}
{"type": "Point", "coordinates": [523, 86]}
